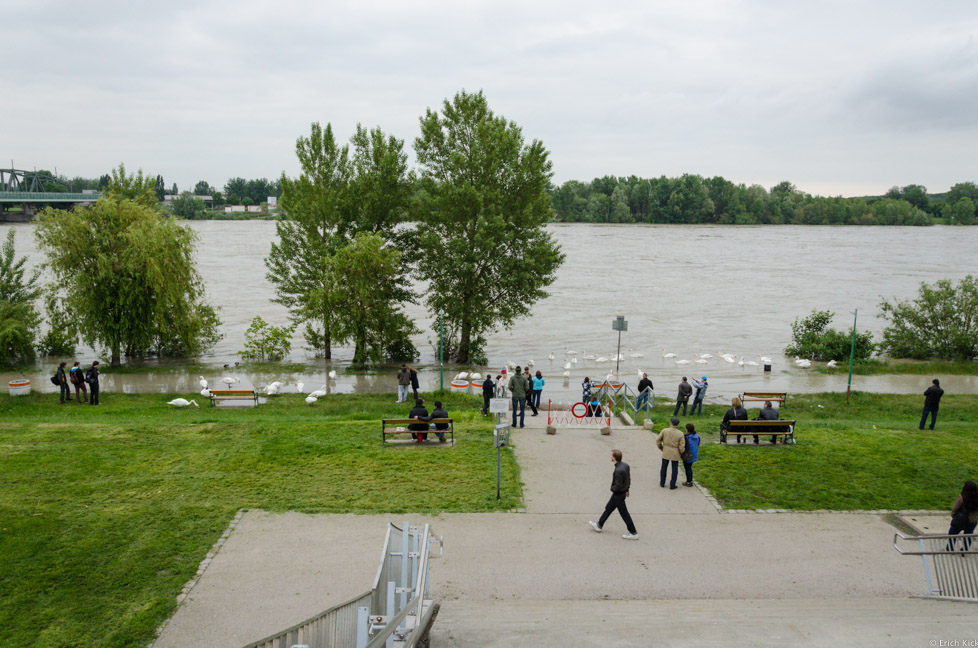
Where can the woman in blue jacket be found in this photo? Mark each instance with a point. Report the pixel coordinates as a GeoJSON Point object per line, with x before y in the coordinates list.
{"type": "Point", "coordinates": [538, 383]}
{"type": "Point", "coordinates": [693, 446]}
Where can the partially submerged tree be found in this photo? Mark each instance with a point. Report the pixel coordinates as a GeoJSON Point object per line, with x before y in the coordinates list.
{"type": "Point", "coordinates": [812, 338]}
{"type": "Point", "coordinates": [19, 319]}
{"type": "Point", "coordinates": [487, 256]}
{"type": "Point", "coordinates": [942, 322]}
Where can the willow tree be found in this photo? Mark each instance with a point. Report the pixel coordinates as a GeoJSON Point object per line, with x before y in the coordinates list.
{"type": "Point", "coordinates": [484, 248]}
{"type": "Point", "coordinates": [19, 319]}
{"type": "Point", "coordinates": [128, 276]}
{"type": "Point", "coordinates": [335, 198]}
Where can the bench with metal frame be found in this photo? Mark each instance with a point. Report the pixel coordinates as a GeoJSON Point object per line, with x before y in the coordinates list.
{"type": "Point", "coordinates": [785, 429]}
{"type": "Point", "coordinates": [233, 394]}
{"type": "Point", "coordinates": [761, 396]}
{"type": "Point", "coordinates": [393, 423]}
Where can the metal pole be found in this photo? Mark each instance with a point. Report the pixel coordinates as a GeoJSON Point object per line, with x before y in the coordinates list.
{"type": "Point", "coordinates": [852, 352]}
{"type": "Point", "coordinates": [618, 355]}
{"type": "Point", "coordinates": [499, 452]}
{"type": "Point", "coordinates": [441, 349]}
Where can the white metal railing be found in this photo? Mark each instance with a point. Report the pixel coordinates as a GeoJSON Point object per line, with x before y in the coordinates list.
{"type": "Point", "coordinates": [950, 563]}
{"type": "Point", "coordinates": [394, 613]}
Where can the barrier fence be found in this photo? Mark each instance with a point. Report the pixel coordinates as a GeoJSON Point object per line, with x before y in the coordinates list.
{"type": "Point", "coordinates": [563, 413]}
{"type": "Point", "coordinates": [950, 563]}
{"type": "Point", "coordinates": [395, 613]}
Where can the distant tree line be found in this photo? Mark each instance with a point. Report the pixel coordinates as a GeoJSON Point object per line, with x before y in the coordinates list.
{"type": "Point", "coordinates": [692, 199]}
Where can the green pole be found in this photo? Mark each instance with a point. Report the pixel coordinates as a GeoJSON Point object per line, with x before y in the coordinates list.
{"type": "Point", "coordinates": [441, 349]}
{"type": "Point", "coordinates": [852, 352]}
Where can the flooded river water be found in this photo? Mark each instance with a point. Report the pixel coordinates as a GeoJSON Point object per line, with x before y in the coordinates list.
{"type": "Point", "coordinates": [688, 290]}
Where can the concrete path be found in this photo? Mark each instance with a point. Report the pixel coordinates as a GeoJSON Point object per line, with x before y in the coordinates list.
{"type": "Point", "coordinates": [520, 569]}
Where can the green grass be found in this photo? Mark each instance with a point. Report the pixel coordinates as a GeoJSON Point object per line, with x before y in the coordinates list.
{"type": "Point", "coordinates": [106, 512]}
{"type": "Point", "coordinates": [862, 456]}
{"type": "Point", "coordinates": [932, 368]}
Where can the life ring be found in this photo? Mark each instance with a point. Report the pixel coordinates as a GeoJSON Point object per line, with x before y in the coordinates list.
{"type": "Point", "coordinates": [573, 410]}
{"type": "Point", "coordinates": [478, 384]}
{"type": "Point", "coordinates": [460, 384]}
{"type": "Point", "coordinates": [19, 387]}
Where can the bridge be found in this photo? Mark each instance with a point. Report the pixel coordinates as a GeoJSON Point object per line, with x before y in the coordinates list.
{"type": "Point", "coordinates": [31, 191]}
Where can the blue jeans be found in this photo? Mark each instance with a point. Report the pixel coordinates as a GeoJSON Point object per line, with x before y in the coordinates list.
{"type": "Point", "coordinates": [692, 412]}
{"type": "Point", "coordinates": [642, 402]}
{"type": "Point", "coordinates": [933, 417]}
{"type": "Point", "coordinates": [402, 393]}
{"type": "Point", "coordinates": [662, 473]}
{"type": "Point", "coordinates": [535, 397]}
{"type": "Point", "coordinates": [521, 404]}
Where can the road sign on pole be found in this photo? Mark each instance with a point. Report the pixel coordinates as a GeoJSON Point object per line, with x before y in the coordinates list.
{"type": "Point", "coordinates": [619, 325]}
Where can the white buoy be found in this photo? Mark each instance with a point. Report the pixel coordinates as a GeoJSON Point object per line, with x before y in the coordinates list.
{"type": "Point", "coordinates": [182, 402]}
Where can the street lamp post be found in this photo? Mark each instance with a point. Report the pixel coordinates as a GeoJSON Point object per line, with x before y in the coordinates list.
{"type": "Point", "coordinates": [441, 349]}
{"type": "Point", "coordinates": [852, 352]}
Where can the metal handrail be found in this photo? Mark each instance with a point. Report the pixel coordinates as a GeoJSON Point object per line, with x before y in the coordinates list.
{"type": "Point", "coordinates": [970, 539]}
{"type": "Point", "coordinates": [950, 572]}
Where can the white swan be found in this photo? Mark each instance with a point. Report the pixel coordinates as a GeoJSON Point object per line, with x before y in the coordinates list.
{"type": "Point", "coordinates": [567, 365]}
{"type": "Point", "coordinates": [182, 402]}
{"type": "Point", "coordinates": [831, 363]}
{"type": "Point", "coordinates": [566, 374]}
{"type": "Point", "coordinates": [529, 363]}
{"type": "Point", "coordinates": [706, 356]}
{"type": "Point", "coordinates": [462, 375]}
{"type": "Point", "coordinates": [728, 358]}
{"type": "Point", "coordinates": [701, 361]}
{"type": "Point", "coordinates": [741, 362]}
{"type": "Point", "coordinates": [669, 355]}
{"type": "Point", "coordinates": [590, 356]}
{"type": "Point", "coordinates": [804, 364]}
{"type": "Point", "coordinates": [750, 363]}
{"type": "Point", "coordinates": [640, 374]}
{"type": "Point", "coordinates": [475, 375]}
{"type": "Point", "coordinates": [636, 355]}
{"type": "Point", "coordinates": [682, 362]}
{"type": "Point", "coordinates": [230, 381]}
{"type": "Point", "coordinates": [206, 393]}
{"type": "Point", "coordinates": [298, 386]}
{"type": "Point", "coordinates": [574, 360]}
{"type": "Point", "coordinates": [202, 382]}
{"type": "Point", "coordinates": [572, 353]}
{"type": "Point", "coordinates": [764, 359]}
{"type": "Point", "coordinates": [319, 393]}
{"type": "Point", "coordinates": [601, 359]}
{"type": "Point", "coordinates": [271, 390]}
{"type": "Point", "coordinates": [551, 355]}
{"type": "Point", "coordinates": [332, 375]}
{"type": "Point", "coordinates": [310, 399]}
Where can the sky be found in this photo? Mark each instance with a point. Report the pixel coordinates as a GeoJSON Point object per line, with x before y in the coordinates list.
{"type": "Point", "coordinates": [840, 98]}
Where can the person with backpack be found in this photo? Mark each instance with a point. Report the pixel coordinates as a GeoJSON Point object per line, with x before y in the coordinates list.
{"type": "Point", "coordinates": [691, 453]}
{"type": "Point", "coordinates": [91, 377]}
{"type": "Point", "coordinates": [61, 380]}
{"type": "Point", "coordinates": [77, 378]}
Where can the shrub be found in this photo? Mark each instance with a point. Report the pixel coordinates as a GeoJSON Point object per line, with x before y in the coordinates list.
{"type": "Point", "coordinates": [19, 319]}
{"type": "Point", "coordinates": [266, 342]}
{"type": "Point", "coordinates": [811, 338]}
{"type": "Point", "coordinates": [940, 323]}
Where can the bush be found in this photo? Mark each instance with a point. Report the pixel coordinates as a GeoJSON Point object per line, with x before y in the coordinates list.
{"type": "Point", "coordinates": [939, 323]}
{"type": "Point", "coordinates": [266, 342]}
{"type": "Point", "coordinates": [811, 338]}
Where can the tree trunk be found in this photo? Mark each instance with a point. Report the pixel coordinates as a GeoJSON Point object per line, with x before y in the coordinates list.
{"type": "Point", "coordinates": [116, 355]}
{"type": "Point", "coordinates": [463, 345]}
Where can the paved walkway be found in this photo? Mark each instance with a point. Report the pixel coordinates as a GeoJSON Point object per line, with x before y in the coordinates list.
{"type": "Point", "coordinates": [692, 573]}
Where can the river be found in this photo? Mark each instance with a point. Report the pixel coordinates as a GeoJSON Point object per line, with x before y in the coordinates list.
{"type": "Point", "coordinates": [682, 289]}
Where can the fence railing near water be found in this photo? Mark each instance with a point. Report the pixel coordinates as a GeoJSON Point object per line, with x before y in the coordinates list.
{"type": "Point", "coordinates": [394, 613]}
{"type": "Point", "coordinates": [950, 563]}
{"type": "Point", "coordinates": [623, 398]}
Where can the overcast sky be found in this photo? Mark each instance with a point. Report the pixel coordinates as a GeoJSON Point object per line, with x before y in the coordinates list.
{"type": "Point", "coordinates": [841, 98]}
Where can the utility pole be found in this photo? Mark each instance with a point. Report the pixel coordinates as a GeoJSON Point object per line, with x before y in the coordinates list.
{"type": "Point", "coordinates": [441, 349]}
{"type": "Point", "coordinates": [852, 352]}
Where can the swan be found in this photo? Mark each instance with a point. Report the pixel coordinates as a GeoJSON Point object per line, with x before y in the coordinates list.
{"type": "Point", "coordinates": [182, 402]}
{"type": "Point", "coordinates": [310, 399]}
{"type": "Point", "coordinates": [299, 385]}
{"type": "Point", "coordinates": [271, 390]}
{"type": "Point", "coordinates": [728, 358]}
{"type": "Point", "coordinates": [567, 365]}
{"type": "Point", "coordinates": [277, 384]}
{"type": "Point", "coordinates": [230, 381]}
{"type": "Point", "coordinates": [462, 375]}
{"type": "Point", "coordinates": [669, 355]}
{"type": "Point", "coordinates": [475, 375]}
{"type": "Point", "coordinates": [831, 363]}
{"type": "Point", "coordinates": [511, 365]}
{"type": "Point", "coordinates": [529, 363]}
{"type": "Point", "coordinates": [601, 359]}
{"type": "Point", "coordinates": [637, 355]}
{"type": "Point", "coordinates": [332, 375]}
{"type": "Point", "coordinates": [682, 362]}
{"type": "Point", "coordinates": [751, 363]}
{"type": "Point", "coordinates": [701, 361]}
{"type": "Point", "coordinates": [706, 356]}
{"type": "Point", "coordinates": [804, 364]}
{"type": "Point", "coordinates": [206, 393]}
{"type": "Point", "coordinates": [574, 360]}
{"type": "Point", "coordinates": [202, 382]}
{"type": "Point", "coordinates": [566, 374]}
{"type": "Point", "coordinates": [741, 362]}
{"type": "Point", "coordinates": [764, 359]}
{"type": "Point", "coordinates": [551, 355]}
{"type": "Point", "coordinates": [319, 393]}
{"type": "Point", "coordinates": [640, 374]}
{"type": "Point", "coordinates": [572, 353]}
{"type": "Point", "coordinates": [590, 356]}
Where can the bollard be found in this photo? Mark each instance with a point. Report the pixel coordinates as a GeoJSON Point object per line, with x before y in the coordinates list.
{"type": "Point", "coordinates": [551, 429]}
{"type": "Point", "coordinates": [606, 430]}
{"type": "Point", "coordinates": [767, 368]}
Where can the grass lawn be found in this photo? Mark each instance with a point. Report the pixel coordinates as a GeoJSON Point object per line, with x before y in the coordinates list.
{"type": "Point", "coordinates": [862, 456]}
{"type": "Point", "coordinates": [105, 513]}
{"type": "Point", "coordinates": [882, 367]}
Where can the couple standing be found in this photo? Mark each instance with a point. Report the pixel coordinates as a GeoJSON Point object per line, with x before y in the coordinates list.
{"type": "Point", "coordinates": [522, 387]}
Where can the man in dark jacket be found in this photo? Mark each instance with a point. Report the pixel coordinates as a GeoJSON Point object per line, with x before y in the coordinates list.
{"type": "Point", "coordinates": [414, 381]}
{"type": "Point", "coordinates": [518, 388]}
{"type": "Point", "coordinates": [932, 401]}
{"type": "Point", "coordinates": [438, 413]}
{"type": "Point", "coordinates": [63, 383]}
{"type": "Point", "coordinates": [419, 412]}
{"type": "Point", "coordinates": [767, 414]}
{"type": "Point", "coordinates": [91, 377]}
{"type": "Point", "coordinates": [488, 391]}
{"type": "Point", "coordinates": [685, 391]}
{"type": "Point", "coordinates": [644, 389]}
{"type": "Point", "coordinates": [621, 481]}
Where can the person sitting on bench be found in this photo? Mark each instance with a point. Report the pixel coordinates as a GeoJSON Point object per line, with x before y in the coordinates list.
{"type": "Point", "coordinates": [735, 413]}
{"type": "Point", "coordinates": [768, 414]}
{"type": "Point", "coordinates": [438, 413]}
{"type": "Point", "coordinates": [419, 412]}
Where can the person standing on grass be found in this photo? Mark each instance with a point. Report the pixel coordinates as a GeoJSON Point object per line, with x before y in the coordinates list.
{"type": "Point", "coordinates": [414, 380]}
{"type": "Point", "coordinates": [403, 382]}
{"type": "Point", "coordinates": [488, 391]}
{"type": "Point", "coordinates": [682, 398]}
{"type": "Point", "coordinates": [644, 389]}
{"type": "Point", "coordinates": [932, 401]}
{"type": "Point", "coordinates": [672, 443]}
{"type": "Point", "coordinates": [77, 378]}
{"type": "Point", "coordinates": [700, 386]}
{"type": "Point", "coordinates": [518, 388]}
{"type": "Point", "coordinates": [964, 514]}
{"type": "Point", "coordinates": [693, 446]}
{"type": "Point", "coordinates": [621, 482]}
{"type": "Point", "coordinates": [91, 377]}
{"type": "Point", "coordinates": [63, 383]}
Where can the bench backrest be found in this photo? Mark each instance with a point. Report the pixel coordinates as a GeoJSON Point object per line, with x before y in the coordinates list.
{"type": "Point", "coordinates": [762, 394]}
{"type": "Point", "coordinates": [762, 423]}
{"type": "Point", "coordinates": [221, 392]}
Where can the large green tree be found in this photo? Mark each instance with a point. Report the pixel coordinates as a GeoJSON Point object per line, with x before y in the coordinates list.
{"type": "Point", "coordinates": [942, 322]}
{"type": "Point", "coordinates": [128, 274]}
{"type": "Point", "coordinates": [19, 318]}
{"type": "Point", "coordinates": [484, 250]}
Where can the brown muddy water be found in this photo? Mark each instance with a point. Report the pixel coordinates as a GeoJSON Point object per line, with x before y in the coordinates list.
{"type": "Point", "coordinates": [688, 290]}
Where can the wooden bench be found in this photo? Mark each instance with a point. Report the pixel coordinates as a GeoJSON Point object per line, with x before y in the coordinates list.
{"type": "Point", "coordinates": [233, 394]}
{"type": "Point", "coordinates": [761, 396]}
{"type": "Point", "coordinates": [388, 427]}
{"type": "Point", "coordinates": [786, 429]}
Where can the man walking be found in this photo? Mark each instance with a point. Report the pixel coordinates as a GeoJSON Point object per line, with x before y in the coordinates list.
{"type": "Point", "coordinates": [671, 441]}
{"type": "Point", "coordinates": [403, 383]}
{"type": "Point", "coordinates": [644, 389]}
{"type": "Point", "coordinates": [488, 391]}
{"type": "Point", "coordinates": [932, 401]}
{"type": "Point", "coordinates": [700, 386]}
{"type": "Point", "coordinates": [621, 481]}
{"type": "Point", "coordinates": [518, 388]}
{"type": "Point", "coordinates": [685, 391]}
